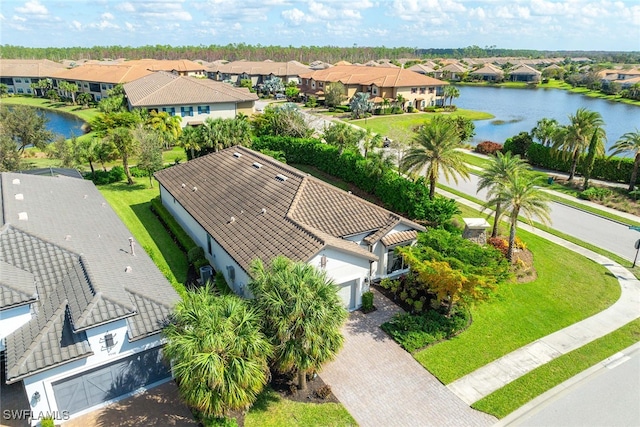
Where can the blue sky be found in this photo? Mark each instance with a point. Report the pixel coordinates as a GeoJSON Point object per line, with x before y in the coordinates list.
{"type": "Point", "coordinates": [526, 24]}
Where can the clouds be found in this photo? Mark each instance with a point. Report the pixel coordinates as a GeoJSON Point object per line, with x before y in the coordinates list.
{"type": "Point", "coordinates": [527, 24]}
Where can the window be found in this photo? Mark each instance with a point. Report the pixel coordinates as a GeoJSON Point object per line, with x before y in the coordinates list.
{"type": "Point", "coordinates": [110, 86]}
{"type": "Point", "coordinates": [203, 109]}
{"type": "Point", "coordinates": [430, 90]}
{"type": "Point", "coordinates": [422, 90]}
{"type": "Point", "coordinates": [186, 111]}
{"type": "Point", "coordinates": [29, 91]}
{"type": "Point", "coordinates": [17, 80]}
{"type": "Point", "coordinates": [374, 90]}
{"type": "Point", "coordinates": [414, 90]}
{"type": "Point", "coordinates": [10, 90]}
{"type": "Point", "coordinates": [320, 84]}
{"type": "Point", "coordinates": [20, 90]}
{"type": "Point", "coordinates": [170, 110]}
{"type": "Point", "coordinates": [209, 244]}
{"type": "Point", "coordinates": [94, 87]}
{"type": "Point", "coordinates": [27, 80]}
{"type": "Point", "coordinates": [395, 262]}
{"type": "Point", "coordinates": [103, 86]}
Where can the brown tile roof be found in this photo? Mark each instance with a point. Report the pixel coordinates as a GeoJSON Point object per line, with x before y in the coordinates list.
{"type": "Point", "coordinates": [301, 214]}
{"type": "Point", "coordinates": [488, 69]}
{"type": "Point", "coordinates": [525, 70]}
{"type": "Point", "coordinates": [162, 88]}
{"type": "Point", "coordinates": [400, 237]}
{"type": "Point", "coordinates": [113, 74]}
{"type": "Point", "coordinates": [181, 65]}
{"type": "Point", "coordinates": [455, 68]}
{"type": "Point", "coordinates": [264, 68]}
{"type": "Point", "coordinates": [37, 68]}
{"type": "Point", "coordinates": [380, 76]}
{"type": "Point", "coordinates": [421, 68]}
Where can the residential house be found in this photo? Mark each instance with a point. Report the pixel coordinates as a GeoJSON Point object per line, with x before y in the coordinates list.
{"type": "Point", "coordinates": [488, 72]}
{"type": "Point", "coordinates": [258, 72]}
{"type": "Point", "coordinates": [453, 71]}
{"type": "Point", "coordinates": [19, 74]}
{"type": "Point", "coordinates": [81, 303]}
{"type": "Point", "coordinates": [626, 78]}
{"type": "Point", "coordinates": [422, 69]}
{"type": "Point", "coordinates": [193, 99]}
{"type": "Point", "coordinates": [418, 90]}
{"type": "Point", "coordinates": [525, 73]}
{"type": "Point", "coordinates": [239, 205]}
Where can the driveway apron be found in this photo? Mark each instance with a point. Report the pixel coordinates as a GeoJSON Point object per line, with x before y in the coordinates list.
{"type": "Point", "coordinates": [380, 384]}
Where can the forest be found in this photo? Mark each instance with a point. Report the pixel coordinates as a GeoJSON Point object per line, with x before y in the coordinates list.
{"type": "Point", "coordinates": [303, 54]}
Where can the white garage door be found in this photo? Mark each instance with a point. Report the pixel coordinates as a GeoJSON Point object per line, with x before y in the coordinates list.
{"type": "Point", "coordinates": [347, 292]}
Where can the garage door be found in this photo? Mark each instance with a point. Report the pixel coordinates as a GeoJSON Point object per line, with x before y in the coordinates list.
{"type": "Point", "coordinates": [92, 388]}
{"type": "Point", "coordinates": [347, 292]}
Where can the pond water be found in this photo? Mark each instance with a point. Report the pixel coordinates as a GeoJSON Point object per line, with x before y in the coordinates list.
{"type": "Point", "coordinates": [518, 110]}
{"type": "Point", "coordinates": [64, 124]}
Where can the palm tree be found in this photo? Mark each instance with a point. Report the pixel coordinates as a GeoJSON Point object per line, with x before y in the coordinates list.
{"type": "Point", "coordinates": [400, 99]}
{"type": "Point", "coordinates": [596, 148]}
{"type": "Point", "coordinates": [302, 314]}
{"type": "Point", "coordinates": [451, 92]}
{"type": "Point", "coordinates": [190, 139]}
{"type": "Point", "coordinates": [218, 353]}
{"type": "Point", "coordinates": [519, 194]}
{"type": "Point", "coordinates": [574, 139]}
{"type": "Point", "coordinates": [500, 169]}
{"type": "Point", "coordinates": [165, 123]}
{"type": "Point", "coordinates": [545, 130]}
{"type": "Point", "coordinates": [629, 143]}
{"type": "Point", "coordinates": [371, 141]}
{"type": "Point", "coordinates": [436, 147]}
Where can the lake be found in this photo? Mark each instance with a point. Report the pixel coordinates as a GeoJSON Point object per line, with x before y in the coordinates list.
{"type": "Point", "coordinates": [518, 110]}
{"type": "Point", "coordinates": [64, 124]}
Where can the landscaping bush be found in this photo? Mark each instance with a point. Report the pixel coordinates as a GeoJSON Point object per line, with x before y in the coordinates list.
{"type": "Point", "coordinates": [367, 301]}
{"type": "Point", "coordinates": [396, 110]}
{"type": "Point", "coordinates": [414, 332]}
{"type": "Point", "coordinates": [138, 173]}
{"type": "Point", "coordinates": [101, 177]}
{"type": "Point", "coordinates": [200, 262]}
{"type": "Point", "coordinates": [488, 147]}
{"type": "Point", "coordinates": [182, 238]}
{"type": "Point", "coordinates": [194, 254]}
{"type": "Point", "coordinates": [500, 244]}
{"type": "Point", "coordinates": [595, 193]}
{"type": "Point", "coordinates": [519, 144]}
{"type": "Point", "coordinates": [343, 108]}
{"type": "Point", "coordinates": [323, 392]}
{"type": "Point", "coordinates": [47, 422]}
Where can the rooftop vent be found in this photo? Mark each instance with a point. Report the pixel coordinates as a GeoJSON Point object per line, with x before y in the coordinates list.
{"type": "Point", "coordinates": [16, 181]}
{"type": "Point", "coordinates": [195, 188]}
{"type": "Point", "coordinates": [19, 196]}
{"type": "Point", "coordinates": [128, 269]}
{"type": "Point", "coordinates": [281, 177]}
{"type": "Point", "coordinates": [86, 196]}
{"type": "Point", "coordinates": [237, 155]}
{"type": "Point", "coordinates": [184, 185]}
{"type": "Point", "coordinates": [67, 237]}
{"type": "Point", "coordinates": [257, 165]}
{"type": "Point", "coordinates": [22, 216]}
{"type": "Point", "coordinates": [263, 211]}
{"type": "Point", "coordinates": [232, 219]}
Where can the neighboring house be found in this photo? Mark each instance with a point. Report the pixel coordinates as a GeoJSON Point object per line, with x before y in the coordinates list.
{"type": "Point", "coordinates": [626, 78]}
{"type": "Point", "coordinates": [193, 99]}
{"type": "Point", "coordinates": [454, 71]}
{"type": "Point", "coordinates": [418, 90]}
{"type": "Point", "coordinates": [19, 74]}
{"type": "Point", "coordinates": [257, 72]}
{"type": "Point", "coordinates": [525, 73]}
{"type": "Point", "coordinates": [81, 303]}
{"type": "Point", "coordinates": [488, 72]}
{"type": "Point", "coordinates": [239, 205]}
{"type": "Point", "coordinates": [98, 79]}
{"type": "Point", "coordinates": [422, 69]}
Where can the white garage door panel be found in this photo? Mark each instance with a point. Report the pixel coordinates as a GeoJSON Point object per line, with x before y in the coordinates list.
{"type": "Point", "coordinates": [347, 292]}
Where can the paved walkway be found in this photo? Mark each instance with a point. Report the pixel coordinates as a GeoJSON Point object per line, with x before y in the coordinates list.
{"type": "Point", "coordinates": [497, 374]}
{"type": "Point", "coordinates": [380, 384]}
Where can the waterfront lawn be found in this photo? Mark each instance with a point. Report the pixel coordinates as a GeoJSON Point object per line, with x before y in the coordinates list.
{"type": "Point", "coordinates": [384, 124]}
{"type": "Point", "coordinates": [85, 114]}
{"type": "Point", "coordinates": [132, 204]}
{"type": "Point", "coordinates": [515, 394]}
{"type": "Point", "coordinates": [569, 288]}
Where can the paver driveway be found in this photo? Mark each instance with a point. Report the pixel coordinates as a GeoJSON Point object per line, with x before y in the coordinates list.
{"type": "Point", "coordinates": [380, 384]}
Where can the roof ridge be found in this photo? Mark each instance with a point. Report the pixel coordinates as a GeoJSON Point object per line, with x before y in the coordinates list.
{"type": "Point", "coordinates": [146, 297]}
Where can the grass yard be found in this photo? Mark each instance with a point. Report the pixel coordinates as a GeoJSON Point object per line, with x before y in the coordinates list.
{"type": "Point", "coordinates": [384, 124]}
{"type": "Point", "coordinates": [131, 203]}
{"type": "Point", "coordinates": [272, 411]}
{"type": "Point", "coordinates": [569, 288]}
{"type": "Point", "coordinates": [515, 394]}
{"type": "Point", "coordinates": [85, 114]}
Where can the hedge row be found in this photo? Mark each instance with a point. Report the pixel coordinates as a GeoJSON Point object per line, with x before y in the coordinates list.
{"type": "Point", "coordinates": [183, 239]}
{"type": "Point", "coordinates": [400, 195]}
{"type": "Point", "coordinates": [616, 169]}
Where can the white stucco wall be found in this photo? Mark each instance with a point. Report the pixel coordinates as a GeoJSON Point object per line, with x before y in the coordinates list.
{"type": "Point", "coordinates": [11, 319]}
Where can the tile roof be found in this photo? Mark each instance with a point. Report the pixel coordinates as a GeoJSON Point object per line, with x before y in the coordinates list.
{"type": "Point", "coordinates": [113, 74]}
{"type": "Point", "coordinates": [263, 68]}
{"type": "Point", "coordinates": [380, 76]}
{"type": "Point", "coordinates": [17, 287]}
{"type": "Point", "coordinates": [488, 69]}
{"type": "Point", "coordinates": [164, 88]}
{"type": "Point", "coordinates": [421, 68]}
{"type": "Point", "coordinates": [37, 68]}
{"type": "Point", "coordinates": [295, 217]}
{"type": "Point", "coordinates": [399, 237]}
{"type": "Point", "coordinates": [524, 69]}
{"type": "Point", "coordinates": [77, 250]}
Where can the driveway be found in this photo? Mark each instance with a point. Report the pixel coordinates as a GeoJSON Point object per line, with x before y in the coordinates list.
{"type": "Point", "coordinates": [159, 406]}
{"type": "Point", "coordinates": [380, 384]}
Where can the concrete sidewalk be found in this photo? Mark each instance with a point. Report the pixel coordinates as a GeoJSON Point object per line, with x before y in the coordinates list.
{"type": "Point", "coordinates": [497, 374]}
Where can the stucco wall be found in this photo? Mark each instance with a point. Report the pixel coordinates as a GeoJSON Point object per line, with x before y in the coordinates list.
{"type": "Point", "coordinates": [11, 319]}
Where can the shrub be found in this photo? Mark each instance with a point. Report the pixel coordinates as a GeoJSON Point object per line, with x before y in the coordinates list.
{"type": "Point", "coordinates": [595, 193]}
{"type": "Point", "coordinates": [500, 244]}
{"type": "Point", "coordinates": [488, 147]}
{"type": "Point", "coordinates": [519, 244]}
{"type": "Point", "coordinates": [323, 392]}
{"type": "Point", "coordinates": [100, 177]}
{"type": "Point", "coordinates": [195, 254]}
{"type": "Point", "coordinates": [182, 238]}
{"type": "Point", "coordinates": [138, 173]}
{"type": "Point", "coordinates": [47, 422]}
{"type": "Point", "coordinates": [200, 262]}
{"type": "Point", "coordinates": [367, 301]}
{"type": "Point", "coordinates": [519, 144]}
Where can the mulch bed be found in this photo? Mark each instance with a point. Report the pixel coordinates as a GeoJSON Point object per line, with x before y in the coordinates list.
{"type": "Point", "coordinates": [527, 272]}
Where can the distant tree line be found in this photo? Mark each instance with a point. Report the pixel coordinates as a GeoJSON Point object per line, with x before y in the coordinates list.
{"type": "Point", "coordinates": [304, 54]}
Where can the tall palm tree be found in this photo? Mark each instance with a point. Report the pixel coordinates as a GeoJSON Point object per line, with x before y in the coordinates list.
{"type": "Point", "coordinates": [500, 169]}
{"type": "Point", "coordinates": [165, 123]}
{"type": "Point", "coordinates": [191, 139]}
{"type": "Point", "coordinates": [545, 130]}
{"type": "Point", "coordinates": [629, 143]}
{"type": "Point", "coordinates": [436, 147]}
{"type": "Point", "coordinates": [574, 140]}
{"type": "Point", "coordinates": [451, 92]}
{"type": "Point", "coordinates": [371, 141]}
{"type": "Point", "coordinates": [519, 194]}
{"type": "Point", "coordinates": [302, 314]}
{"type": "Point", "coordinates": [218, 353]}
{"type": "Point", "coordinates": [400, 99]}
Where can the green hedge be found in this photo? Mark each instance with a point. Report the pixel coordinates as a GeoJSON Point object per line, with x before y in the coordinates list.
{"type": "Point", "coordinates": [400, 195]}
{"type": "Point", "coordinates": [616, 169]}
{"type": "Point", "coordinates": [183, 239]}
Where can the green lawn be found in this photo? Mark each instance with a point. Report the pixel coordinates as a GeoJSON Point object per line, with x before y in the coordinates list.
{"type": "Point", "coordinates": [131, 203]}
{"type": "Point", "coordinates": [83, 113]}
{"type": "Point", "coordinates": [272, 411]}
{"type": "Point", "coordinates": [384, 124]}
{"type": "Point", "coordinates": [515, 394]}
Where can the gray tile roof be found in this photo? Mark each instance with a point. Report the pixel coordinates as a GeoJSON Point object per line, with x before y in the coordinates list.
{"type": "Point", "coordinates": [17, 286]}
{"type": "Point", "coordinates": [77, 250]}
{"type": "Point", "coordinates": [295, 217]}
{"type": "Point", "coordinates": [162, 88]}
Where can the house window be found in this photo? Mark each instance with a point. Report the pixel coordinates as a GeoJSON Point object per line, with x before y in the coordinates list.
{"type": "Point", "coordinates": [374, 90]}
{"type": "Point", "coordinates": [110, 86]}
{"type": "Point", "coordinates": [86, 85]}
{"type": "Point", "coordinates": [395, 262]}
{"type": "Point", "coordinates": [186, 111]}
{"type": "Point", "coordinates": [28, 90]}
{"type": "Point", "coordinates": [20, 90]}
{"type": "Point", "coordinates": [27, 80]}
{"type": "Point", "coordinates": [103, 86]}
{"type": "Point", "coordinates": [430, 90]}
{"type": "Point", "coordinates": [414, 90]}
{"type": "Point", "coordinates": [209, 244]}
{"type": "Point", "coordinates": [203, 109]}
{"type": "Point", "coordinates": [170, 110]}
{"type": "Point", "coordinates": [422, 90]}
{"type": "Point", "coordinates": [10, 90]}
{"type": "Point", "coordinates": [313, 85]}
{"type": "Point", "coordinates": [17, 80]}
